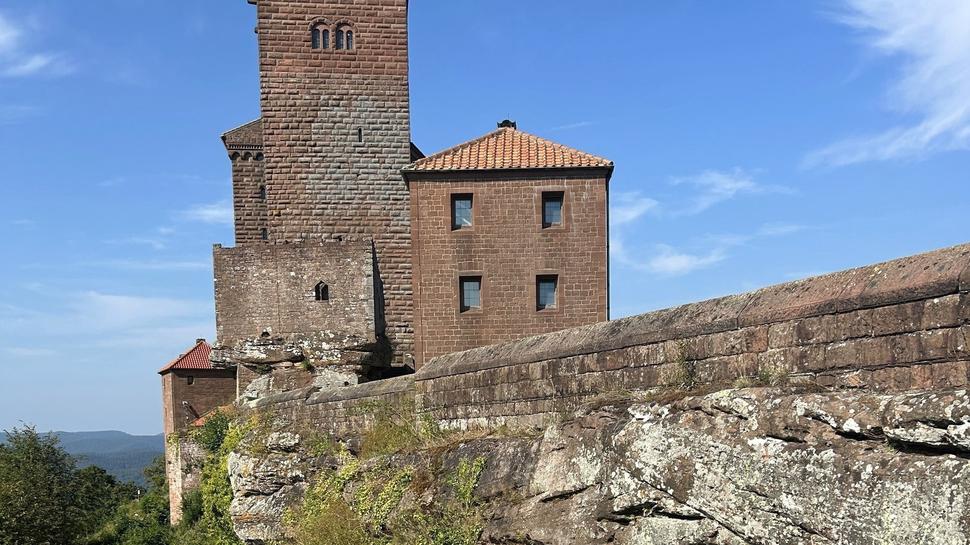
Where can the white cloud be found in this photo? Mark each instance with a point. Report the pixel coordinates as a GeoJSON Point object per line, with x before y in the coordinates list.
{"type": "Point", "coordinates": [666, 260]}
{"type": "Point", "coordinates": [630, 207]}
{"type": "Point", "coordinates": [16, 60]}
{"type": "Point", "coordinates": [714, 187]}
{"type": "Point", "coordinates": [570, 126]}
{"type": "Point", "coordinates": [933, 85]}
{"type": "Point", "coordinates": [219, 213]}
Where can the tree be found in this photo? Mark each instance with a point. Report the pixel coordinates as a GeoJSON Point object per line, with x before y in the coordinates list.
{"type": "Point", "coordinates": [37, 503]}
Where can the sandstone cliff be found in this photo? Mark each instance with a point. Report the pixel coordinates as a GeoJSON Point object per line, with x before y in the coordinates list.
{"type": "Point", "coordinates": [767, 466]}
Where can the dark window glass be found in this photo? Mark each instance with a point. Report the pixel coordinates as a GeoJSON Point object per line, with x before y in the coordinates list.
{"type": "Point", "coordinates": [470, 292]}
{"type": "Point", "coordinates": [190, 380]}
{"type": "Point", "coordinates": [315, 38]}
{"type": "Point", "coordinates": [264, 234]}
{"type": "Point", "coordinates": [552, 209]}
{"type": "Point", "coordinates": [461, 211]}
{"type": "Point", "coordinates": [360, 135]}
{"type": "Point", "coordinates": [546, 291]}
{"type": "Point", "coordinates": [322, 292]}
{"type": "Point", "coordinates": [340, 39]}
{"type": "Point", "coordinates": [326, 39]}
{"type": "Point", "coordinates": [350, 39]}
{"type": "Point", "coordinates": [262, 192]}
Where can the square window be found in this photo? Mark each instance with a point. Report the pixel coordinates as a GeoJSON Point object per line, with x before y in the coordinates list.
{"type": "Point", "coordinates": [190, 380]}
{"type": "Point", "coordinates": [552, 208]}
{"type": "Point", "coordinates": [470, 292]}
{"type": "Point", "coordinates": [461, 211]}
{"type": "Point", "coordinates": [546, 287]}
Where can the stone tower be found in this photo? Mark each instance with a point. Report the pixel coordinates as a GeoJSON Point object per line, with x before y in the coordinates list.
{"type": "Point", "coordinates": [336, 134]}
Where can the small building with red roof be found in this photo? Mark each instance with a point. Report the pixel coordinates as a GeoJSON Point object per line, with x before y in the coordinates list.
{"type": "Point", "coordinates": [192, 387]}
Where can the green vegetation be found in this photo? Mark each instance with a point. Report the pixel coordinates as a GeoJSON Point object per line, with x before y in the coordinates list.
{"type": "Point", "coordinates": [360, 504]}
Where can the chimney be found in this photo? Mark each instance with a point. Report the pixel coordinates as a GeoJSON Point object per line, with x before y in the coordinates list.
{"type": "Point", "coordinates": [507, 123]}
{"type": "Point", "coordinates": [199, 341]}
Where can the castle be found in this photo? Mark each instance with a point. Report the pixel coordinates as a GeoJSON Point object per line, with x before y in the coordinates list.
{"type": "Point", "coordinates": [357, 256]}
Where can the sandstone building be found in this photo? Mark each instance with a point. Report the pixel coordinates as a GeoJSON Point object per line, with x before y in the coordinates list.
{"type": "Point", "coordinates": [494, 239]}
{"type": "Point", "coordinates": [359, 258]}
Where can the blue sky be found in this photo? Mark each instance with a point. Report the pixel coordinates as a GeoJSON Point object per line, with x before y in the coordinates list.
{"type": "Point", "coordinates": [755, 143]}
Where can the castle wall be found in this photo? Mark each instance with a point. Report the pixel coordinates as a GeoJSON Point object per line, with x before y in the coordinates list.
{"type": "Point", "coordinates": [210, 388]}
{"type": "Point", "coordinates": [270, 288]}
{"type": "Point", "coordinates": [336, 132]}
{"type": "Point", "coordinates": [508, 247]}
{"type": "Point", "coordinates": [893, 327]}
{"type": "Point", "coordinates": [183, 468]}
{"type": "Point", "coordinates": [249, 203]}
{"type": "Point", "coordinates": [245, 147]}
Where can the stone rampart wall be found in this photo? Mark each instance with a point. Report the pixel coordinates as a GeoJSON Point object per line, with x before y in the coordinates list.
{"type": "Point", "coordinates": [342, 412]}
{"type": "Point", "coordinates": [894, 326]}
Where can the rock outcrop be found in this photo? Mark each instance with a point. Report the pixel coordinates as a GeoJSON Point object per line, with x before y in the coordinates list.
{"type": "Point", "coordinates": [767, 466]}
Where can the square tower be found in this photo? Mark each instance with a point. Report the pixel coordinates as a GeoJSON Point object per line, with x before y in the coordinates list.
{"type": "Point", "coordinates": [336, 134]}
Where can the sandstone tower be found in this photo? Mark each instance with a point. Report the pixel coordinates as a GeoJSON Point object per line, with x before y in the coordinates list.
{"type": "Point", "coordinates": [336, 134]}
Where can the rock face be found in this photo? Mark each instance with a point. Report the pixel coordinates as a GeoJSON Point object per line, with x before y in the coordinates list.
{"type": "Point", "coordinates": [752, 466]}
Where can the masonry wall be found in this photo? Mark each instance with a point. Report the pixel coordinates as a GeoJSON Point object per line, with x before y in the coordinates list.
{"type": "Point", "coordinates": [336, 132]}
{"type": "Point", "coordinates": [342, 412]}
{"type": "Point", "coordinates": [894, 326]}
{"type": "Point", "coordinates": [210, 388]}
{"type": "Point", "coordinates": [183, 465]}
{"type": "Point", "coordinates": [245, 147]}
{"type": "Point", "coordinates": [270, 288]}
{"type": "Point", "coordinates": [508, 247]}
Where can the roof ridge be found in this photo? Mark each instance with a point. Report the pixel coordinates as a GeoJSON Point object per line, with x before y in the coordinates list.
{"type": "Point", "coordinates": [199, 345]}
{"type": "Point", "coordinates": [508, 148]}
{"type": "Point", "coordinates": [466, 144]}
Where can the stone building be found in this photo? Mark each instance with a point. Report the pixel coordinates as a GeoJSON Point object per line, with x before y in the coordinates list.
{"type": "Point", "coordinates": [494, 239]}
{"type": "Point", "coordinates": [191, 389]}
{"type": "Point", "coordinates": [357, 257]}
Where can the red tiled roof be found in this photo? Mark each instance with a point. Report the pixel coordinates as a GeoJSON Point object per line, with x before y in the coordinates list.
{"type": "Point", "coordinates": [200, 421]}
{"type": "Point", "coordinates": [196, 358]}
{"type": "Point", "coordinates": [508, 148]}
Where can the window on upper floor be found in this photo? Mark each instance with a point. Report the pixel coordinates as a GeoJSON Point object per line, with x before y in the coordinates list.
{"type": "Point", "coordinates": [344, 37]}
{"type": "Point", "coordinates": [321, 292]}
{"type": "Point", "coordinates": [262, 192]}
{"type": "Point", "coordinates": [264, 234]}
{"type": "Point", "coordinates": [552, 208]}
{"type": "Point", "coordinates": [547, 286]}
{"type": "Point", "coordinates": [461, 211]}
{"type": "Point", "coordinates": [320, 37]}
{"type": "Point", "coordinates": [470, 293]}
{"type": "Point", "coordinates": [190, 380]}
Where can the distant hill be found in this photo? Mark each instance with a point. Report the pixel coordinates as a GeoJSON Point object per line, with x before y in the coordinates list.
{"type": "Point", "coordinates": [122, 455]}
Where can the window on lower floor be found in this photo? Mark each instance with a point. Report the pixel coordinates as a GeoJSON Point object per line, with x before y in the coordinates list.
{"type": "Point", "coordinates": [461, 211]}
{"type": "Point", "coordinates": [547, 287]}
{"type": "Point", "coordinates": [470, 292]}
{"type": "Point", "coordinates": [552, 208]}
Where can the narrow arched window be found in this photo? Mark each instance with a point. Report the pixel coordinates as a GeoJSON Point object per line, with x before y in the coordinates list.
{"type": "Point", "coordinates": [325, 38]}
{"type": "Point", "coordinates": [350, 39]}
{"type": "Point", "coordinates": [321, 292]}
{"type": "Point", "coordinates": [262, 192]}
{"type": "Point", "coordinates": [315, 38]}
{"type": "Point", "coordinates": [340, 38]}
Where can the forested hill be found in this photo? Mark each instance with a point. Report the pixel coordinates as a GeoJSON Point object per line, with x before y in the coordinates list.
{"type": "Point", "coordinates": [122, 455]}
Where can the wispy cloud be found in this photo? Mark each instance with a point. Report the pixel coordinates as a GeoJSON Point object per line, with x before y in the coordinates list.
{"type": "Point", "coordinates": [152, 265]}
{"type": "Point", "coordinates": [14, 113]}
{"type": "Point", "coordinates": [667, 260]}
{"type": "Point", "coordinates": [716, 186]}
{"type": "Point", "coordinates": [217, 213]}
{"type": "Point", "coordinates": [17, 60]}
{"type": "Point", "coordinates": [571, 126]}
{"type": "Point", "coordinates": [933, 85]}
{"type": "Point", "coordinates": [630, 207]}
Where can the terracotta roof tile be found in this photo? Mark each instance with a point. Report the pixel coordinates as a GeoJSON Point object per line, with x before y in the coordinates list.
{"type": "Point", "coordinates": [196, 358]}
{"type": "Point", "coordinates": [508, 148]}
